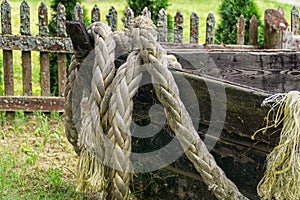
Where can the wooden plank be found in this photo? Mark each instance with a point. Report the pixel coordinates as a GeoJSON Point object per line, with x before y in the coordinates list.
{"type": "Point", "coordinates": [169, 46]}
{"type": "Point", "coordinates": [44, 57]}
{"type": "Point", "coordinates": [26, 73]}
{"type": "Point", "coordinates": [45, 74]}
{"type": "Point", "coordinates": [61, 57]}
{"type": "Point", "coordinates": [7, 54]}
{"type": "Point", "coordinates": [35, 43]}
{"type": "Point", "coordinates": [30, 104]}
{"type": "Point", "coordinates": [62, 73]}
{"type": "Point", "coordinates": [82, 41]}
{"type": "Point", "coordinates": [242, 105]}
{"type": "Point", "coordinates": [26, 55]}
{"type": "Point", "coordinates": [271, 71]}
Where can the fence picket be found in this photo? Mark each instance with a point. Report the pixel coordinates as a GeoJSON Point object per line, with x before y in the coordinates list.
{"type": "Point", "coordinates": [96, 15]}
{"type": "Point", "coordinates": [178, 27]}
{"type": "Point", "coordinates": [146, 12]}
{"type": "Point", "coordinates": [62, 57]}
{"type": "Point", "coordinates": [253, 32]}
{"type": "Point", "coordinates": [241, 30]}
{"type": "Point", "coordinates": [280, 9]}
{"type": "Point", "coordinates": [112, 18]}
{"type": "Point", "coordinates": [44, 57]}
{"type": "Point", "coordinates": [162, 26]}
{"type": "Point", "coordinates": [78, 12]}
{"type": "Point", "coordinates": [128, 16]}
{"type": "Point", "coordinates": [295, 20]}
{"type": "Point", "coordinates": [210, 28]}
{"type": "Point", "coordinates": [7, 54]}
{"type": "Point", "coordinates": [194, 28]}
{"type": "Point", "coordinates": [26, 55]}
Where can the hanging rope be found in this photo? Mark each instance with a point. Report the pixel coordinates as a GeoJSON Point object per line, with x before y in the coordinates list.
{"type": "Point", "coordinates": [105, 137]}
{"type": "Point", "coordinates": [70, 110]}
{"type": "Point", "coordinates": [282, 177]}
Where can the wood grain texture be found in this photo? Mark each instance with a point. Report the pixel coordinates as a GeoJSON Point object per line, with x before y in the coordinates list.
{"type": "Point", "coordinates": [271, 71]}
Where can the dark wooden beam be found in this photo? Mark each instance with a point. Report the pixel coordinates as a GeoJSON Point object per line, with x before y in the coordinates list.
{"type": "Point", "coordinates": [82, 42]}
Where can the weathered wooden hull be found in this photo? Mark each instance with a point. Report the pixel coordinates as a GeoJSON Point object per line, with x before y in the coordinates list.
{"type": "Point", "coordinates": [246, 79]}
{"type": "Point", "coordinates": [241, 158]}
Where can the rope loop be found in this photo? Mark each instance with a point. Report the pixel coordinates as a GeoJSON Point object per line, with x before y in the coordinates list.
{"type": "Point", "coordinates": [105, 137]}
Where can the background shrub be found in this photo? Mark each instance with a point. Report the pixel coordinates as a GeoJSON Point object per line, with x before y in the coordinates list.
{"type": "Point", "coordinates": [230, 11]}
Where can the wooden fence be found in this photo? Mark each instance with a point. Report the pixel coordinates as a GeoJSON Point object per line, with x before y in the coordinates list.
{"type": "Point", "coordinates": [62, 45]}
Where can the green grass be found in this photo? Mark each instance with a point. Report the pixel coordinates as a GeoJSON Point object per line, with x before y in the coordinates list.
{"type": "Point", "coordinates": [36, 161]}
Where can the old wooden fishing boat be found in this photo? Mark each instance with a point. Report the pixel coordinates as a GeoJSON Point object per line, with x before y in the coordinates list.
{"type": "Point", "coordinates": [247, 76]}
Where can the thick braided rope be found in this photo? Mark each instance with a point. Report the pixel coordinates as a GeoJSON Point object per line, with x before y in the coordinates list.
{"type": "Point", "coordinates": [181, 123]}
{"type": "Point", "coordinates": [70, 127]}
{"type": "Point", "coordinates": [90, 168]}
{"type": "Point", "coordinates": [120, 118]}
{"type": "Point", "coordinates": [126, 85]}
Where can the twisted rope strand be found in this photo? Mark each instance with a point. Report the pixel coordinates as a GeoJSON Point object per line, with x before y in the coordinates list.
{"type": "Point", "coordinates": [70, 127]}
{"type": "Point", "coordinates": [125, 84]}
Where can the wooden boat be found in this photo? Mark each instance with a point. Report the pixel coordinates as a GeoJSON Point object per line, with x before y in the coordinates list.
{"type": "Point", "coordinates": [247, 76]}
{"type": "Point", "coordinates": [233, 80]}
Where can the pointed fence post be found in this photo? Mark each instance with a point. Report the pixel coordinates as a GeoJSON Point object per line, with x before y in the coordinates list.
{"type": "Point", "coordinates": [62, 57]}
{"type": "Point", "coordinates": [26, 55]}
{"type": "Point", "coordinates": [96, 15]}
{"type": "Point", "coordinates": [162, 26]}
{"type": "Point", "coordinates": [7, 54]}
{"type": "Point", "coordinates": [210, 28]}
{"type": "Point", "coordinates": [146, 12]}
{"type": "Point", "coordinates": [178, 27]}
{"type": "Point", "coordinates": [241, 31]}
{"type": "Point", "coordinates": [78, 12]}
{"type": "Point", "coordinates": [112, 18]}
{"type": "Point", "coordinates": [253, 32]}
{"type": "Point", "coordinates": [280, 9]}
{"type": "Point", "coordinates": [275, 30]}
{"type": "Point", "coordinates": [44, 57]}
{"type": "Point", "coordinates": [128, 16]}
{"type": "Point", "coordinates": [194, 28]}
{"type": "Point", "coordinates": [295, 20]}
